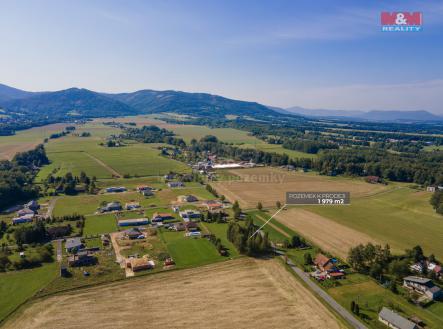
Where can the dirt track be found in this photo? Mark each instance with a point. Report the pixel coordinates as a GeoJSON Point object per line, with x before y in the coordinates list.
{"type": "Point", "coordinates": [244, 293]}
{"type": "Point", "coordinates": [269, 185]}
{"type": "Point", "coordinates": [327, 234]}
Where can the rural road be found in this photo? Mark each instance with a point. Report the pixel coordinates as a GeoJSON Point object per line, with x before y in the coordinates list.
{"type": "Point", "coordinates": [51, 206]}
{"type": "Point", "coordinates": [328, 299]}
{"type": "Point", "coordinates": [59, 250]}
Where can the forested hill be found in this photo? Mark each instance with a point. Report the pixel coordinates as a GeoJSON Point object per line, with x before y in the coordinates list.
{"type": "Point", "coordinates": [79, 103]}
{"type": "Point", "coordinates": [69, 102]}
{"type": "Point", "coordinates": [199, 104]}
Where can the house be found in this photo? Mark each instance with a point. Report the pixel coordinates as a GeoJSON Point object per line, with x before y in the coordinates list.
{"type": "Point", "coordinates": [33, 205]}
{"type": "Point", "coordinates": [417, 267]}
{"type": "Point", "coordinates": [187, 198]}
{"type": "Point", "coordinates": [73, 244]}
{"type": "Point", "coordinates": [160, 217]}
{"type": "Point", "coordinates": [139, 264]}
{"type": "Point", "coordinates": [437, 269]}
{"type": "Point", "coordinates": [147, 193]}
{"type": "Point", "coordinates": [23, 219]}
{"type": "Point", "coordinates": [114, 189]}
{"type": "Point", "coordinates": [189, 214]}
{"type": "Point", "coordinates": [169, 262]}
{"type": "Point", "coordinates": [175, 184]}
{"type": "Point", "coordinates": [169, 176]}
{"type": "Point", "coordinates": [81, 259]}
{"type": "Point", "coordinates": [179, 226]}
{"type": "Point", "coordinates": [132, 205]}
{"type": "Point", "coordinates": [195, 234]}
{"type": "Point", "coordinates": [394, 320]}
{"type": "Point", "coordinates": [430, 189]}
{"type": "Point", "coordinates": [144, 188]}
{"type": "Point", "coordinates": [213, 205]}
{"type": "Point", "coordinates": [112, 206]}
{"type": "Point", "coordinates": [133, 233]}
{"type": "Point", "coordinates": [324, 264]}
{"type": "Point", "coordinates": [133, 222]}
{"type": "Point", "coordinates": [191, 226]}
{"type": "Point", "coordinates": [423, 286]}
{"type": "Point", "coordinates": [25, 211]}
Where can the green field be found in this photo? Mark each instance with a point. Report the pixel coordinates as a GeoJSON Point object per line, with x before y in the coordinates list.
{"type": "Point", "coordinates": [17, 287]}
{"type": "Point", "coordinates": [277, 148]}
{"type": "Point", "coordinates": [228, 135]}
{"type": "Point", "coordinates": [99, 224]}
{"type": "Point", "coordinates": [401, 217]}
{"type": "Point", "coordinates": [190, 251]}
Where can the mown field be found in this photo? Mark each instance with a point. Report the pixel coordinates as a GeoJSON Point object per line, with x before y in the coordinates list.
{"type": "Point", "coordinates": [243, 293]}
{"type": "Point", "coordinates": [394, 214]}
{"type": "Point", "coordinates": [401, 217]}
{"type": "Point", "coordinates": [18, 287]}
{"type": "Point", "coordinates": [76, 154]}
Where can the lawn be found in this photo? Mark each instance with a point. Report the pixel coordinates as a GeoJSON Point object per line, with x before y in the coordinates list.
{"type": "Point", "coordinates": [189, 251]}
{"type": "Point", "coordinates": [17, 287]}
{"type": "Point", "coordinates": [371, 297]}
{"type": "Point", "coordinates": [99, 224]}
{"type": "Point", "coordinates": [401, 217]}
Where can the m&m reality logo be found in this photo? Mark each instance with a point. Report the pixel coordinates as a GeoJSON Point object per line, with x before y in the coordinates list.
{"type": "Point", "coordinates": [401, 21]}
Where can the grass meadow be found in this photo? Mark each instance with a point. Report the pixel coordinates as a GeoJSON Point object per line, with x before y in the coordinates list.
{"type": "Point", "coordinates": [17, 287]}
{"type": "Point", "coordinates": [401, 217]}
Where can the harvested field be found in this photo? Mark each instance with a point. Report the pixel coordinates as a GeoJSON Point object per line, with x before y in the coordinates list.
{"type": "Point", "coordinates": [325, 233]}
{"type": "Point", "coordinates": [244, 293]}
{"type": "Point", "coordinates": [269, 185]}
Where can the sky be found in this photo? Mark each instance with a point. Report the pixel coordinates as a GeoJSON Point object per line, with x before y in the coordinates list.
{"type": "Point", "coordinates": [313, 54]}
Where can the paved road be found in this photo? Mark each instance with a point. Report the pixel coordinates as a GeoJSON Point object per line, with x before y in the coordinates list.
{"type": "Point", "coordinates": [328, 299]}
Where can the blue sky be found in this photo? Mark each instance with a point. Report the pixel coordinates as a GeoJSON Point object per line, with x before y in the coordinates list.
{"type": "Point", "coordinates": [315, 54]}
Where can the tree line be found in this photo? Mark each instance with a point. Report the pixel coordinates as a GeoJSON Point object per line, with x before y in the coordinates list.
{"type": "Point", "coordinates": [16, 176]}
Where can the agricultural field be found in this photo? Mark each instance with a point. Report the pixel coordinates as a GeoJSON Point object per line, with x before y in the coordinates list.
{"type": "Point", "coordinates": [268, 185]}
{"type": "Point", "coordinates": [216, 292]}
{"type": "Point", "coordinates": [325, 233]}
{"type": "Point", "coordinates": [26, 140]}
{"type": "Point", "coordinates": [374, 211]}
{"type": "Point", "coordinates": [277, 148]}
{"type": "Point", "coordinates": [76, 154]}
{"type": "Point", "coordinates": [17, 287]}
{"type": "Point", "coordinates": [401, 217]}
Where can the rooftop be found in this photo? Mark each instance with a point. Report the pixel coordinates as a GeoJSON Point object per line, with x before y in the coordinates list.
{"type": "Point", "coordinates": [395, 319]}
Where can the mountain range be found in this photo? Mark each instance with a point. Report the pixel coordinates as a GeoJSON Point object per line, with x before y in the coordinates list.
{"type": "Point", "coordinates": [75, 102]}
{"type": "Point", "coordinates": [385, 116]}
{"type": "Point", "coordinates": [87, 103]}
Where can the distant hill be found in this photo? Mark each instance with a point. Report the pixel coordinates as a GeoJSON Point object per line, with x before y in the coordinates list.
{"type": "Point", "coordinates": [87, 103]}
{"type": "Point", "coordinates": [388, 116]}
{"type": "Point", "coordinates": [199, 104]}
{"type": "Point", "coordinates": [69, 102]}
{"type": "Point", "coordinates": [8, 93]}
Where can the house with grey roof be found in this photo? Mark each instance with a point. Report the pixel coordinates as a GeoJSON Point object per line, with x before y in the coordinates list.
{"type": "Point", "coordinates": [423, 286]}
{"type": "Point", "coordinates": [73, 244]}
{"type": "Point", "coordinates": [394, 320]}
